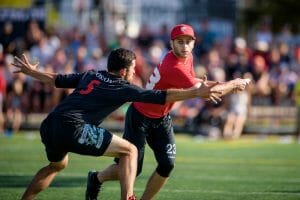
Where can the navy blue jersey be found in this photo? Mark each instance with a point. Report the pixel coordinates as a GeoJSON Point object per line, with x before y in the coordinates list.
{"type": "Point", "coordinates": [99, 93]}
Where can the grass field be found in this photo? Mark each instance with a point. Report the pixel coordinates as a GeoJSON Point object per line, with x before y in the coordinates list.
{"type": "Point", "coordinates": [205, 170]}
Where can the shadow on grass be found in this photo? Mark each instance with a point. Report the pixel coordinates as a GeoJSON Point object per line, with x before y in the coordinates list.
{"type": "Point", "coordinates": [23, 181]}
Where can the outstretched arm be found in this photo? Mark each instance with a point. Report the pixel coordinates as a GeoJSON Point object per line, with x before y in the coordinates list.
{"type": "Point", "coordinates": [231, 86]}
{"type": "Point", "coordinates": [203, 90]}
{"type": "Point", "coordinates": [31, 70]}
{"type": "Point", "coordinates": [235, 85]}
{"type": "Point", "coordinates": [208, 90]}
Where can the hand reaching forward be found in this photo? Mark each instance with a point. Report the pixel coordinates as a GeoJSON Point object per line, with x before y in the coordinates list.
{"type": "Point", "coordinates": [208, 92]}
{"type": "Point", "coordinates": [241, 84]}
{"type": "Point", "coordinates": [216, 90]}
{"type": "Point", "coordinates": [24, 65]}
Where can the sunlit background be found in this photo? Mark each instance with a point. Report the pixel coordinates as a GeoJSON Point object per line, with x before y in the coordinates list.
{"type": "Point", "coordinates": [235, 38]}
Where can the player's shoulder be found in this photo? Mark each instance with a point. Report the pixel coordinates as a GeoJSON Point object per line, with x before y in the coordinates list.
{"type": "Point", "coordinates": [169, 57]}
{"type": "Point", "coordinates": [170, 60]}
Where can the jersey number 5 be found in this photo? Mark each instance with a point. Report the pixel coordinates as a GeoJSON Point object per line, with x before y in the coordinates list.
{"type": "Point", "coordinates": [90, 87]}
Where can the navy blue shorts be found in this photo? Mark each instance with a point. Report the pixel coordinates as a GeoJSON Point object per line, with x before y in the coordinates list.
{"type": "Point", "coordinates": [61, 135]}
{"type": "Point", "coordinates": [158, 133]}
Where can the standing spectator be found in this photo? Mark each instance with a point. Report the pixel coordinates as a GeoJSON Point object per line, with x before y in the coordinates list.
{"type": "Point", "coordinates": [237, 110]}
{"type": "Point", "coordinates": [238, 60]}
{"type": "Point", "coordinates": [237, 65]}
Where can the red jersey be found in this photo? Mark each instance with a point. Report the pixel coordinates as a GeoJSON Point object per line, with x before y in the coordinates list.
{"type": "Point", "coordinates": [172, 72]}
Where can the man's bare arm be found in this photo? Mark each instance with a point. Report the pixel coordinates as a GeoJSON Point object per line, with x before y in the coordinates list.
{"type": "Point", "coordinates": [204, 91]}
{"type": "Point", "coordinates": [31, 70]}
{"type": "Point", "coordinates": [208, 90]}
{"type": "Point", "coordinates": [235, 85]}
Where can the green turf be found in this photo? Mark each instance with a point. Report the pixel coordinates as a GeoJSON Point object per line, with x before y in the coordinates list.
{"type": "Point", "coordinates": [205, 170]}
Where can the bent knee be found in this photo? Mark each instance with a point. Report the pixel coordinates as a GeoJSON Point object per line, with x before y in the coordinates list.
{"type": "Point", "coordinates": [165, 169]}
{"type": "Point", "coordinates": [58, 166]}
{"type": "Point", "coordinates": [131, 150]}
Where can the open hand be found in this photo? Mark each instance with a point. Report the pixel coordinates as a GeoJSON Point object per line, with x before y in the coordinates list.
{"type": "Point", "coordinates": [23, 65]}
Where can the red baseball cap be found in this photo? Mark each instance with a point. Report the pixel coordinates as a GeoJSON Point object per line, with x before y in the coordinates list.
{"type": "Point", "coordinates": [182, 29]}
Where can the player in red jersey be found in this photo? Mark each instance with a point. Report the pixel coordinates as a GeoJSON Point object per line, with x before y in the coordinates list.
{"type": "Point", "coordinates": [152, 123]}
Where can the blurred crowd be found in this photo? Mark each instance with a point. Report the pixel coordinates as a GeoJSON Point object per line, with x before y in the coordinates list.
{"type": "Point", "coordinates": [271, 60]}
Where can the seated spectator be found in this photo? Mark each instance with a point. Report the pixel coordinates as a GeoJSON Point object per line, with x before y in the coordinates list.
{"type": "Point", "coordinates": [33, 34]}
{"type": "Point", "coordinates": [260, 78]}
{"type": "Point", "coordinates": [14, 112]}
{"type": "Point", "coordinates": [210, 120]}
{"type": "Point", "coordinates": [58, 61]}
{"type": "Point", "coordinates": [187, 110]}
{"type": "Point", "coordinates": [42, 51]}
{"type": "Point", "coordinates": [7, 38]}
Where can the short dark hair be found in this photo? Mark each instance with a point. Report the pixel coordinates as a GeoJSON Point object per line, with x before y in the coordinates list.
{"type": "Point", "coordinates": [119, 59]}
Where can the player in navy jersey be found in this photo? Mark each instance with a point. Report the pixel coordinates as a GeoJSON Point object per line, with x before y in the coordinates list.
{"type": "Point", "coordinates": [74, 125]}
{"type": "Point", "coordinates": [151, 123]}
